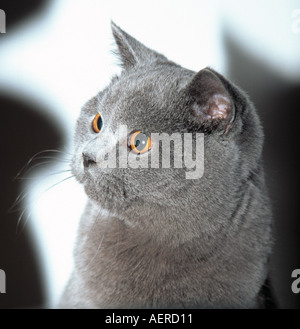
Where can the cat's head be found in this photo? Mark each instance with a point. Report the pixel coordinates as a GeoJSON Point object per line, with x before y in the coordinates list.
{"type": "Point", "coordinates": [155, 95]}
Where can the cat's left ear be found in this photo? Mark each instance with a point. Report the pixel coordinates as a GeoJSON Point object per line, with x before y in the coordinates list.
{"type": "Point", "coordinates": [131, 51]}
{"type": "Point", "coordinates": [211, 104]}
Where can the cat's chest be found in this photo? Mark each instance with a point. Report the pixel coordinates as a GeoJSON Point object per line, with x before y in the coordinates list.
{"type": "Point", "coordinates": [120, 264]}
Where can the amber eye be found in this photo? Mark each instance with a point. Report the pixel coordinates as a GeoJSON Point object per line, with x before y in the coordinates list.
{"type": "Point", "coordinates": [139, 142]}
{"type": "Point", "coordinates": [97, 123]}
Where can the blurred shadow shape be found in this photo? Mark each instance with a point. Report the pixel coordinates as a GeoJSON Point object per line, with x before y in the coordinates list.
{"type": "Point", "coordinates": [18, 11]}
{"type": "Point", "coordinates": [24, 132]}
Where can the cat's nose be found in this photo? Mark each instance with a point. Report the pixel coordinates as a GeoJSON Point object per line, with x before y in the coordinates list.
{"type": "Point", "coordinates": [88, 160]}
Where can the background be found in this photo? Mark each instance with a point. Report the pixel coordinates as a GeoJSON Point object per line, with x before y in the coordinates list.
{"type": "Point", "coordinates": [55, 55]}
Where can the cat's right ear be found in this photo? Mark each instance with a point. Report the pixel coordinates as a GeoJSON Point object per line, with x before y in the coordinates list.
{"type": "Point", "coordinates": [210, 103]}
{"type": "Point", "coordinates": [131, 51]}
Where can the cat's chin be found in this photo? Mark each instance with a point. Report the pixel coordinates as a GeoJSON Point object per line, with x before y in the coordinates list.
{"type": "Point", "coordinates": [106, 196]}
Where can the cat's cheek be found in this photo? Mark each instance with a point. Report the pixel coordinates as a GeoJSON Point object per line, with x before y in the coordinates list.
{"type": "Point", "coordinates": [78, 169]}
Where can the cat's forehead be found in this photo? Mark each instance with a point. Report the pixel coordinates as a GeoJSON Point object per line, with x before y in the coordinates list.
{"type": "Point", "coordinates": [143, 97]}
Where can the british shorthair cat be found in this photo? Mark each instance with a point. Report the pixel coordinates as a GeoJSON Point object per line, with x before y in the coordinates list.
{"type": "Point", "coordinates": [151, 237]}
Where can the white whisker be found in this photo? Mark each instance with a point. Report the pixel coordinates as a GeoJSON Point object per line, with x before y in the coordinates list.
{"type": "Point", "coordinates": [24, 195]}
{"type": "Point", "coordinates": [37, 157]}
{"type": "Point", "coordinates": [72, 176]}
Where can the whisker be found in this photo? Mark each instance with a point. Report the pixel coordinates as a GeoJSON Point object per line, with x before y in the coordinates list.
{"type": "Point", "coordinates": [18, 233]}
{"type": "Point", "coordinates": [53, 151]}
{"type": "Point", "coordinates": [55, 159]}
{"type": "Point", "coordinates": [65, 179]}
{"type": "Point", "coordinates": [18, 200]}
{"type": "Point", "coordinates": [32, 168]}
{"type": "Point", "coordinates": [50, 174]}
{"type": "Point", "coordinates": [59, 172]}
{"type": "Point", "coordinates": [38, 157]}
{"type": "Point", "coordinates": [22, 196]}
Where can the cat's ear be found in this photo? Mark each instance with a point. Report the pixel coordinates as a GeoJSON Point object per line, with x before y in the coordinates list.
{"type": "Point", "coordinates": [211, 104]}
{"type": "Point", "coordinates": [131, 51]}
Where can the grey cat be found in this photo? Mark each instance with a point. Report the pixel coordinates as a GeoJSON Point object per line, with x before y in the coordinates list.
{"type": "Point", "coordinates": [150, 238]}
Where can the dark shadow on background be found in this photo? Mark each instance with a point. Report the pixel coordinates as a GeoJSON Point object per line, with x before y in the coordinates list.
{"type": "Point", "coordinates": [19, 11]}
{"type": "Point", "coordinates": [24, 132]}
{"type": "Point", "coordinates": [277, 101]}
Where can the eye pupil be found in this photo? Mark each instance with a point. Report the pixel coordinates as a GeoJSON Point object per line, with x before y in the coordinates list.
{"type": "Point", "coordinates": [99, 123]}
{"type": "Point", "coordinates": [139, 142]}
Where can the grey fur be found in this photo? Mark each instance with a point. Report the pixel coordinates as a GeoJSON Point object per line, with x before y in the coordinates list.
{"type": "Point", "coordinates": [150, 238]}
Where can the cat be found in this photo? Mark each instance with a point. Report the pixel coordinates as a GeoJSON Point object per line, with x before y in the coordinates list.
{"type": "Point", "coordinates": [151, 238]}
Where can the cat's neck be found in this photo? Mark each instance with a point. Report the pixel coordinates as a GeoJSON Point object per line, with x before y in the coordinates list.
{"type": "Point", "coordinates": [121, 253]}
{"type": "Point", "coordinates": [100, 225]}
